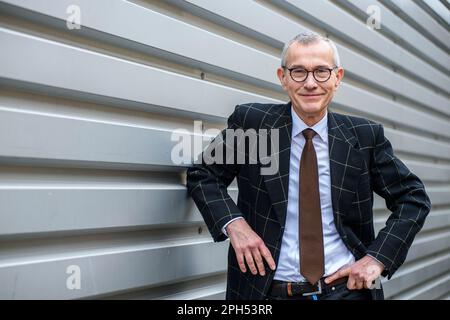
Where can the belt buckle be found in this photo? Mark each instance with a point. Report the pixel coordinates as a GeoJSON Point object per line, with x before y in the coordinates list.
{"type": "Point", "coordinates": [319, 291]}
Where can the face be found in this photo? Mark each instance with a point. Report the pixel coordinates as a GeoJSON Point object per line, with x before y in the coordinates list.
{"type": "Point", "coordinates": [310, 98]}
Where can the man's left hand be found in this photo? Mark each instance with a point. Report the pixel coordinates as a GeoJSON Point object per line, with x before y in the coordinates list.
{"type": "Point", "coordinates": [361, 274]}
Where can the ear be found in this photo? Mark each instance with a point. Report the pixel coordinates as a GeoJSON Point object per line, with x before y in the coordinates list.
{"type": "Point", "coordinates": [282, 77]}
{"type": "Point", "coordinates": [339, 76]}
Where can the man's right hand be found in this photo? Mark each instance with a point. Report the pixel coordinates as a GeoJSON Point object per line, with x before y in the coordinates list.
{"type": "Point", "coordinates": [249, 246]}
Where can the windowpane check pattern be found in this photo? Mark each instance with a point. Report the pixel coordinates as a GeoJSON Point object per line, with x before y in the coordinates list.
{"type": "Point", "coordinates": [362, 161]}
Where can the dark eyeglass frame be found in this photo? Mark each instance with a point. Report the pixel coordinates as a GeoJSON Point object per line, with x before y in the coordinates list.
{"type": "Point", "coordinates": [312, 71]}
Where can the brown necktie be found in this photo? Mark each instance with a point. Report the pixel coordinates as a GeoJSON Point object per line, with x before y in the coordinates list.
{"type": "Point", "coordinates": [310, 219]}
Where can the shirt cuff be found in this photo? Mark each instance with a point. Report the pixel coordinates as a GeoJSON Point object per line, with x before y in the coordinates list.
{"type": "Point", "coordinates": [224, 230]}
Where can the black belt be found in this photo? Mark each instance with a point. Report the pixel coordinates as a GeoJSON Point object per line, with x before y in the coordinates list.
{"type": "Point", "coordinates": [289, 289]}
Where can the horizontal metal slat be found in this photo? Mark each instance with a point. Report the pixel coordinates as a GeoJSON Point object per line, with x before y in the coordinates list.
{"type": "Point", "coordinates": [110, 78]}
{"type": "Point", "coordinates": [429, 290]}
{"type": "Point", "coordinates": [409, 275]}
{"type": "Point", "coordinates": [270, 27]}
{"type": "Point", "coordinates": [133, 268]}
{"type": "Point", "coordinates": [202, 42]}
{"type": "Point", "coordinates": [436, 219]}
{"type": "Point", "coordinates": [402, 32]}
{"type": "Point", "coordinates": [427, 245]}
{"type": "Point", "coordinates": [85, 141]}
{"type": "Point", "coordinates": [200, 46]}
{"type": "Point", "coordinates": [429, 171]}
{"type": "Point", "coordinates": [411, 10]}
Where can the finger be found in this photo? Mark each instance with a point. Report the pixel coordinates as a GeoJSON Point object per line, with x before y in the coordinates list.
{"type": "Point", "coordinates": [337, 275]}
{"type": "Point", "coordinates": [240, 260]}
{"type": "Point", "coordinates": [371, 279]}
{"type": "Point", "coordinates": [370, 283]}
{"type": "Point", "coordinates": [268, 257]}
{"type": "Point", "coordinates": [358, 279]}
{"type": "Point", "coordinates": [351, 283]}
{"type": "Point", "coordinates": [259, 262]}
{"type": "Point", "coordinates": [250, 262]}
{"type": "Point", "coordinates": [359, 285]}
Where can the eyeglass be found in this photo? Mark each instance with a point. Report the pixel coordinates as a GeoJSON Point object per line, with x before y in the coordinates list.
{"type": "Point", "coordinates": [320, 74]}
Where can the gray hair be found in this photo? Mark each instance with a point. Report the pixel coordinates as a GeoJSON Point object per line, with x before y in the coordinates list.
{"type": "Point", "coordinates": [310, 38]}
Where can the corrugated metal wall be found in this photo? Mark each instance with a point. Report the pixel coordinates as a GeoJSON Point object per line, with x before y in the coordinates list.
{"type": "Point", "coordinates": [86, 116]}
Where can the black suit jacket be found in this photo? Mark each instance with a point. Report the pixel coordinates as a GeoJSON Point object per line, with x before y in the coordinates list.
{"type": "Point", "coordinates": [361, 162]}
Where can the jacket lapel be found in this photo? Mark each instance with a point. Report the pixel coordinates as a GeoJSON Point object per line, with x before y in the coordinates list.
{"type": "Point", "coordinates": [346, 162]}
{"type": "Point", "coordinates": [277, 184]}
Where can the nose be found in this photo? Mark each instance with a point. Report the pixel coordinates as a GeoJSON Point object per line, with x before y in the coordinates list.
{"type": "Point", "coordinates": [310, 82]}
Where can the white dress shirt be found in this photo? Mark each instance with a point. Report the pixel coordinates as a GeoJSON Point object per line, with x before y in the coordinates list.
{"type": "Point", "coordinates": [335, 252]}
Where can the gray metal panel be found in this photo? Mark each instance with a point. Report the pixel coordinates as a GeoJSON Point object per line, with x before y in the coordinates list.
{"type": "Point", "coordinates": [198, 50]}
{"type": "Point", "coordinates": [131, 207]}
{"type": "Point", "coordinates": [403, 33]}
{"type": "Point", "coordinates": [199, 45]}
{"type": "Point", "coordinates": [108, 77]}
{"type": "Point", "coordinates": [435, 220]}
{"type": "Point", "coordinates": [412, 143]}
{"type": "Point", "coordinates": [429, 290]}
{"type": "Point", "coordinates": [421, 20]}
{"type": "Point", "coordinates": [86, 116]}
{"type": "Point", "coordinates": [439, 9]}
{"type": "Point", "coordinates": [137, 263]}
{"type": "Point", "coordinates": [430, 172]}
{"type": "Point", "coordinates": [426, 270]}
{"type": "Point", "coordinates": [273, 28]}
{"type": "Point", "coordinates": [352, 98]}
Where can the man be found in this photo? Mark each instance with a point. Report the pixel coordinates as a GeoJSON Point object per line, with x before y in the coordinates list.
{"type": "Point", "coordinates": [306, 231]}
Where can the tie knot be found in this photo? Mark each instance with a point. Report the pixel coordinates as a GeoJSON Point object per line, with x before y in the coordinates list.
{"type": "Point", "coordinates": [308, 133]}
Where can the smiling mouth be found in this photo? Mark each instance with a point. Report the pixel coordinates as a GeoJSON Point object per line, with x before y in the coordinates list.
{"type": "Point", "coordinates": [311, 95]}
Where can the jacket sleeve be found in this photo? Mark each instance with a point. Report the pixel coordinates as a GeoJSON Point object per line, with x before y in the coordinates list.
{"type": "Point", "coordinates": [207, 184]}
{"type": "Point", "coordinates": [405, 197]}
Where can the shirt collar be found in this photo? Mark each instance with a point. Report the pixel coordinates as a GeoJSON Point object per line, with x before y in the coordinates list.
{"type": "Point", "coordinates": [321, 127]}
